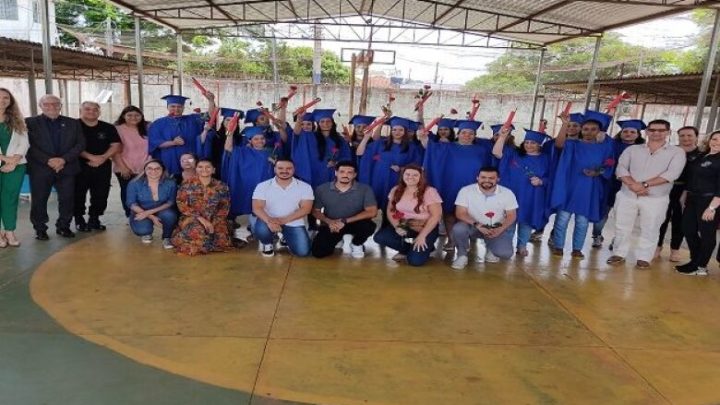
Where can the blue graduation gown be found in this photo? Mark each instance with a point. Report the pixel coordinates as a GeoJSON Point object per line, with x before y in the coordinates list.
{"type": "Point", "coordinates": [516, 174]}
{"type": "Point", "coordinates": [242, 170]}
{"type": "Point", "coordinates": [375, 167]}
{"type": "Point", "coordinates": [204, 150]}
{"type": "Point", "coordinates": [613, 185]}
{"type": "Point", "coordinates": [166, 129]}
{"type": "Point", "coordinates": [451, 166]}
{"type": "Point", "coordinates": [311, 168]}
{"type": "Point", "coordinates": [575, 192]}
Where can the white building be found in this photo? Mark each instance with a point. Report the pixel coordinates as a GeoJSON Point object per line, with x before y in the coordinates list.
{"type": "Point", "coordinates": [20, 19]}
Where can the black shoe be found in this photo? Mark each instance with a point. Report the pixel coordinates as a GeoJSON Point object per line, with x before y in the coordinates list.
{"type": "Point", "coordinates": [81, 225]}
{"type": "Point", "coordinates": [686, 268]}
{"type": "Point", "coordinates": [65, 232]}
{"type": "Point", "coordinates": [95, 224]}
{"type": "Point", "coordinates": [41, 235]}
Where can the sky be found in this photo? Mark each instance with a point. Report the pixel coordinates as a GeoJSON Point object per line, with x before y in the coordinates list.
{"type": "Point", "coordinates": [459, 65]}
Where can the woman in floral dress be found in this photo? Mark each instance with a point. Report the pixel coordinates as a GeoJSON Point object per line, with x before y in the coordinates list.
{"type": "Point", "coordinates": [204, 203]}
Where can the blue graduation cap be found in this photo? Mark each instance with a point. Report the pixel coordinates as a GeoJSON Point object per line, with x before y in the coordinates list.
{"type": "Point", "coordinates": [308, 116]}
{"type": "Point", "coordinates": [250, 132]}
{"type": "Point", "coordinates": [535, 136]}
{"type": "Point", "coordinates": [447, 123]}
{"type": "Point", "coordinates": [229, 112]}
{"type": "Point", "coordinates": [415, 125]}
{"type": "Point", "coordinates": [497, 127]}
{"type": "Point", "coordinates": [252, 115]}
{"type": "Point", "coordinates": [323, 113]}
{"type": "Point", "coordinates": [637, 124]}
{"type": "Point", "coordinates": [577, 117]}
{"type": "Point", "coordinates": [468, 124]}
{"type": "Point", "coordinates": [175, 99]}
{"type": "Point", "coordinates": [403, 122]}
{"type": "Point", "coordinates": [362, 120]}
{"type": "Point", "coordinates": [601, 118]}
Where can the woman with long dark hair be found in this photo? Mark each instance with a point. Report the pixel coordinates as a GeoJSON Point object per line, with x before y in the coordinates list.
{"type": "Point", "coordinates": [414, 212]}
{"type": "Point", "coordinates": [702, 199]}
{"type": "Point", "coordinates": [14, 144]}
{"type": "Point", "coordinates": [381, 162]}
{"type": "Point", "coordinates": [132, 128]}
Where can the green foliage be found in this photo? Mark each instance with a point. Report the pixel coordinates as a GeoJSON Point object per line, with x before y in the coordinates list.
{"type": "Point", "coordinates": [514, 72]}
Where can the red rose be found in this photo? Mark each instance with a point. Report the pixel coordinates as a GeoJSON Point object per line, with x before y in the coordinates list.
{"type": "Point", "coordinates": [259, 103]}
{"type": "Point", "coordinates": [490, 214]}
{"type": "Point", "coordinates": [376, 157]}
{"type": "Point", "coordinates": [335, 149]}
{"type": "Point", "coordinates": [426, 87]}
{"type": "Point", "coordinates": [398, 215]}
{"type": "Point", "coordinates": [453, 111]}
{"type": "Point", "coordinates": [392, 98]}
{"type": "Point", "coordinates": [293, 87]}
{"type": "Point", "coordinates": [609, 162]}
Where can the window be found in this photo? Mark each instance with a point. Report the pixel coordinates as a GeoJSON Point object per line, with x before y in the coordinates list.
{"type": "Point", "coordinates": [8, 10]}
{"type": "Point", "coordinates": [36, 12]}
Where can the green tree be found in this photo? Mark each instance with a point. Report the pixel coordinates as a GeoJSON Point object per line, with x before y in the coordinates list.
{"type": "Point", "coordinates": [514, 71]}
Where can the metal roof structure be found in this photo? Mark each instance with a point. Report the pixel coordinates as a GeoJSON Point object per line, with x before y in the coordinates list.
{"type": "Point", "coordinates": [524, 23]}
{"type": "Point", "coordinates": [18, 58]}
{"type": "Point", "coordinates": [677, 89]}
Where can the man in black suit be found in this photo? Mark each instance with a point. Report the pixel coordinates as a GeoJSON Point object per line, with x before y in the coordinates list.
{"type": "Point", "coordinates": [55, 145]}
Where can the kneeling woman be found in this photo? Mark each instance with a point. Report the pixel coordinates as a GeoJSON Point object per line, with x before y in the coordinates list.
{"type": "Point", "coordinates": [414, 211]}
{"type": "Point", "coordinates": [204, 203]}
{"type": "Point", "coordinates": [151, 198]}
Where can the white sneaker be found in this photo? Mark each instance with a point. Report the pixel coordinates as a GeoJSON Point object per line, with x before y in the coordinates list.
{"type": "Point", "coordinates": [356, 251]}
{"type": "Point", "coordinates": [701, 271]}
{"type": "Point", "coordinates": [147, 239]}
{"type": "Point", "coordinates": [268, 250]}
{"type": "Point", "coordinates": [242, 234]}
{"type": "Point", "coordinates": [459, 263]}
{"type": "Point", "coordinates": [167, 244]}
{"type": "Point", "coordinates": [490, 257]}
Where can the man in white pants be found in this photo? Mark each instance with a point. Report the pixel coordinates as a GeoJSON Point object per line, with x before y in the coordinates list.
{"type": "Point", "coordinates": [647, 172]}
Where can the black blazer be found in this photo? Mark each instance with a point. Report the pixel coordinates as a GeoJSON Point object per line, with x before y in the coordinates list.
{"type": "Point", "coordinates": [42, 148]}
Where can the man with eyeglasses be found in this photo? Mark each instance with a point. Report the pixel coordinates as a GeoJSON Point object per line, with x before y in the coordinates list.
{"type": "Point", "coordinates": [56, 142]}
{"type": "Point", "coordinates": [647, 172]}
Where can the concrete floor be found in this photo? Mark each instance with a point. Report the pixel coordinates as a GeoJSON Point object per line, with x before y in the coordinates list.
{"type": "Point", "coordinates": [107, 320]}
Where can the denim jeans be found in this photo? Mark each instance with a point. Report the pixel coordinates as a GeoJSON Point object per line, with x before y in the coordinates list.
{"type": "Point", "coordinates": [387, 236]}
{"type": "Point", "coordinates": [523, 235]}
{"type": "Point", "coordinates": [296, 237]}
{"type": "Point", "coordinates": [500, 246]}
{"type": "Point", "coordinates": [599, 226]}
{"type": "Point", "coordinates": [168, 217]}
{"type": "Point", "coordinates": [562, 219]}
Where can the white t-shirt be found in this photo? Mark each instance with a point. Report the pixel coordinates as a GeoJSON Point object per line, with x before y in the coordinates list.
{"type": "Point", "coordinates": [280, 202]}
{"type": "Point", "coordinates": [488, 209]}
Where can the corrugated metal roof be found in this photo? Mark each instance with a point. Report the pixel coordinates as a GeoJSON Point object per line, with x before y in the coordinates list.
{"type": "Point", "coordinates": [538, 22]}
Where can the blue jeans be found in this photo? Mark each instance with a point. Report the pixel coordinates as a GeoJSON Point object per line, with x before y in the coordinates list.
{"type": "Point", "coordinates": [523, 235]}
{"type": "Point", "coordinates": [599, 226]}
{"type": "Point", "coordinates": [296, 237]}
{"type": "Point", "coordinates": [562, 219]}
{"type": "Point", "coordinates": [388, 237]}
{"type": "Point", "coordinates": [168, 217]}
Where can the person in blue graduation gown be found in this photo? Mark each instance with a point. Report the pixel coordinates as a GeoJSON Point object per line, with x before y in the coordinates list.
{"type": "Point", "coordinates": [445, 131]}
{"type": "Point", "coordinates": [245, 165]}
{"type": "Point", "coordinates": [175, 134]}
{"type": "Point", "coordinates": [316, 153]}
{"type": "Point", "coordinates": [382, 161]}
{"type": "Point", "coordinates": [527, 174]}
{"type": "Point", "coordinates": [508, 146]}
{"type": "Point", "coordinates": [579, 185]}
{"type": "Point", "coordinates": [629, 135]}
{"type": "Point", "coordinates": [218, 141]}
{"type": "Point", "coordinates": [450, 166]}
{"type": "Point", "coordinates": [359, 123]}
{"type": "Point", "coordinates": [280, 133]}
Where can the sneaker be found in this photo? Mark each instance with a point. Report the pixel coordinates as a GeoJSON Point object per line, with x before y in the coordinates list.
{"type": "Point", "coordinates": [701, 271]}
{"type": "Point", "coordinates": [577, 254]}
{"type": "Point", "coordinates": [399, 257]}
{"type": "Point", "coordinates": [268, 250]}
{"type": "Point", "coordinates": [357, 251]}
{"type": "Point", "coordinates": [490, 257]}
{"type": "Point", "coordinates": [147, 239]}
{"type": "Point", "coordinates": [167, 244]}
{"type": "Point", "coordinates": [686, 268]}
{"type": "Point", "coordinates": [597, 241]}
{"type": "Point", "coordinates": [459, 263]}
{"type": "Point", "coordinates": [642, 265]}
{"type": "Point", "coordinates": [695, 271]}
{"type": "Point", "coordinates": [536, 237]}
{"type": "Point", "coordinates": [449, 246]}
{"type": "Point", "coordinates": [521, 252]}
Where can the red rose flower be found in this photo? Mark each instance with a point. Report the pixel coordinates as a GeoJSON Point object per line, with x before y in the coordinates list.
{"type": "Point", "coordinates": [426, 87]}
{"type": "Point", "coordinates": [609, 162]}
{"type": "Point", "coordinates": [490, 214]}
{"type": "Point", "coordinates": [335, 149]}
{"type": "Point", "coordinates": [376, 157]}
{"type": "Point", "coordinates": [259, 103]}
{"type": "Point", "coordinates": [453, 111]}
{"type": "Point", "coordinates": [293, 87]}
{"type": "Point", "coordinates": [398, 215]}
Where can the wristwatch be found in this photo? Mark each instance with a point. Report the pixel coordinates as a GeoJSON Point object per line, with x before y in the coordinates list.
{"type": "Point", "coordinates": [645, 184]}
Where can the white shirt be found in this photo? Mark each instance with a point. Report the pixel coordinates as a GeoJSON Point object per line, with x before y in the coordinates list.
{"type": "Point", "coordinates": [487, 209]}
{"type": "Point", "coordinates": [279, 201]}
{"type": "Point", "coordinates": [19, 145]}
